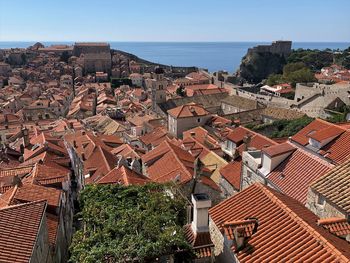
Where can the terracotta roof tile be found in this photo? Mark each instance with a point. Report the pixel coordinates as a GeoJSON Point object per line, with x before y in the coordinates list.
{"type": "Point", "coordinates": [124, 176]}
{"type": "Point", "coordinates": [337, 150]}
{"type": "Point", "coordinates": [337, 226]}
{"type": "Point", "coordinates": [302, 136]}
{"type": "Point", "coordinates": [232, 173]}
{"type": "Point", "coordinates": [287, 230]}
{"type": "Point", "coordinates": [155, 137]}
{"type": "Point", "coordinates": [279, 149]}
{"type": "Point", "coordinates": [167, 162]}
{"type": "Point", "coordinates": [126, 151]}
{"type": "Point", "coordinates": [188, 110]}
{"type": "Point", "coordinates": [200, 242]}
{"type": "Point", "coordinates": [329, 132]}
{"type": "Point", "coordinates": [46, 175]}
{"type": "Point", "coordinates": [294, 175]}
{"type": "Point", "coordinates": [31, 192]}
{"type": "Point", "coordinates": [246, 228]}
{"type": "Point", "coordinates": [19, 228]}
{"type": "Point", "coordinates": [52, 227]}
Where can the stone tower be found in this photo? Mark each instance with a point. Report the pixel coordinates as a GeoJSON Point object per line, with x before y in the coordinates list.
{"type": "Point", "coordinates": [158, 88]}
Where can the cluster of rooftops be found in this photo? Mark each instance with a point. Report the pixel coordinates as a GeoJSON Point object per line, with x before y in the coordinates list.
{"type": "Point", "coordinates": [253, 198]}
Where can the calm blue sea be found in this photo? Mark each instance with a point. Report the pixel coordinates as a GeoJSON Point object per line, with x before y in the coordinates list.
{"type": "Point", "coordinates": [210, 55]}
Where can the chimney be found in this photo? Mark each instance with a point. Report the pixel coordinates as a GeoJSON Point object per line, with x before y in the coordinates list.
{"type": "Point", "coordinates": [25, 135]}
{"type": "Point", "coordinates": [201, 204]}
{"type": "Point", "coordinates": [247, 140]}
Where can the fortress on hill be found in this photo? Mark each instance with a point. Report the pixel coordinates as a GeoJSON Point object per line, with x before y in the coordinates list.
{"type": "Point", "coordinates": [279, 47]}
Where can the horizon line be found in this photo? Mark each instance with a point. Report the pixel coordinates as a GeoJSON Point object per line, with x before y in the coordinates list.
{"type": "Point", "coordinates": [169, 41]}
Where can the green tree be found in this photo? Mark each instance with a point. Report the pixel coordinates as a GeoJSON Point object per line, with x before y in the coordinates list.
{"type": "Point", "coordinates": [136, 223]}
{"type": "Point", "coordinates": [281, 128]}
{"type": "Point", "coordinates": [301, 76]}
{"type": "Point", "coordinates": [274, 79]}
{"type": "Point", "coordinates": [181, 91]}
{"type": "Point", "coordinates": [291, 67]}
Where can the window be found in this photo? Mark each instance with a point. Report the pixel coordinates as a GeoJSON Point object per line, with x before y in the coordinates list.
{"type": "Point", "coordinates": [249, 173]}
{"type": "Point", "coordinates": [320, 200]}
{"type": "Point", "coordinates": [199, 120]}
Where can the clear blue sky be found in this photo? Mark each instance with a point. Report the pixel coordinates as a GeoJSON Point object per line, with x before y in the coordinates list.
{"type": "Point", "coordinates": [175, 20]}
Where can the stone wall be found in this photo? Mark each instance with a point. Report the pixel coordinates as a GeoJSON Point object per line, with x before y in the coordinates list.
{"type": "Point", "coordinates": [222, 249]}
{"type": "Point", "coordinates": [226, 188]}
{"type": "Point", "coordinates": [313, 98]}
{"type": "Point", "coordinates": [41, 250]}
{"type": "Point", "coordinates": [323, 211]}
{"type": "Point", "coordinates": [184, 124]}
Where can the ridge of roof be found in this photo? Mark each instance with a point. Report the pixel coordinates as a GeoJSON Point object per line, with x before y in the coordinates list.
{"type": "Point", "coordinates": [299, 220]}
{"type": "Point", "coordinates": [178, 159]}
{"type": "Point", "coordinates": [23, 204]}
{"type": "Point", "coordinates": [312, 155]}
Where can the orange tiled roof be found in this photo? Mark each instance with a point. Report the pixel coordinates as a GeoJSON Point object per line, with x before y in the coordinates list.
{"type": "Point", "coordinates": [302, 136]}
{"type": "Point", "coordinates": [99, 164]}
{"type": "Point", "coordinates": [155, 137]}
{"type": "Point", "coordinates": [337, 226]}
{"type": "Point", "coordinates": [188, 110]}
{"type": "Point", "coordinates": [46, 175]}
{"type": "Point", "coordinates": [126, 151]}
{"type": "Point", "coordinates": [52, 227]}
{"type": "Point", "coordinates": [294, 175]}
{"type": "Point", "coordinates": [220, 121]}
{"type": "Point", "coordinates": [200, 242]}
{"type": "Point", "coordinates": [246, 228]}
{"type": "Point", "coordinates": [232, 173]}
{"type": "Point", "coordinates": [124, 176]}
{"type": "Point", "coordinates": [196, 148]}
{"type": "Point", "coordinates": [257, 140]}
{"type": "Point", "coordinates": [237, 134]}
{"type": "Point", "coordinates": [200, 143]}
{"type": "Point", "coordinates": [167, 162]}
{"type": "Point", "coordinates": [287, 232]}
{"type": "Point", "coordinates": [19, 171]}
{"type": "Point", "coordinates": [19, 228]}
{"type": "Point", "coordinates": [31, 192]}
{"type": "Point", "coordinates": [326, 133]}
{"type": "Point", "coordinates": [337, 150]}
{"type": "Point", "coordinates": [279, 149]}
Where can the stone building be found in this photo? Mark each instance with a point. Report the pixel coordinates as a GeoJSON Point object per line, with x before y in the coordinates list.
{"type": "Point", "coordinates": [95, 57]}
{"type": "Point", "coordinates": [313, 99]}
{"type": "Point", "coordinates": [186, 117]}
{"type": "Point", "coordinates": [261, 224]}
{"type": "Point", "coordinates": [158, 88]}
{"type": "Point", "coordinates": [33, 246]}
{"type": "Point", "coordinates": [332, 205]}
{"type": "Point", "coordinates": [234, 104]}
{"type": "Point", "coordinates": [278, 166]}
{"type": "Point", "coordinates": [280, 47]}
